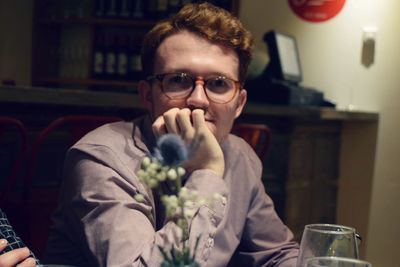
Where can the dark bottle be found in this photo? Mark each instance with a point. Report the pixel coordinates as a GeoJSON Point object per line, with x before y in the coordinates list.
{"type": "Point", "coordinates": [100, 8]}
{"type": "Point", "coordinates": [184, 2]}
{"type": "Point", "coordinates": [151, 9]}
{"type": "Point", "coordinates": [125, 8]}
{"type": "Point", "coordinates": [111, 8]}
{"type": "Point", "coordinates": [173, 7]}
{"type": "Point", "coordinates": [122, 58]}
{"type": "Point", "coordinates": [134, 61]}
{"type": "Point", "coordinates": [137, 11]}
{"type": "Point", "coordinates": [98, 68]}
{"type": "Point", "coordinates": [162, 8]}
{"type": "Point", "coordinates": [110, 58]}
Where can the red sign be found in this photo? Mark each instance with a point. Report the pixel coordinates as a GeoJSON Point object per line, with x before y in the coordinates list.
{"type": "Point", "coordinates": [316, 10]}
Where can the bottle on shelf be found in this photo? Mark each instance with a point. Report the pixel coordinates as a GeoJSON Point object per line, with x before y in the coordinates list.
{"type": "Point", "coordinates": [111, 9]}
{"type": "Point", "coordinates": [99, 54]}
{"type": "Point", "coordinates": [125, 9]}
{"type": "Point", "coordinates": [100, 8]}
{"type": "Point", "coordinates": [137, 11]}
{"type": "Point", "coordinates": [173, 7]}
{"type": "Point", "coordinates": [134, 60]}
{"type": "Point", "coordinates": [110, 58]}
{"type": "Point", "coordinates": [122, 57]}
{"type": "Point", "coordinates": [162, 9]}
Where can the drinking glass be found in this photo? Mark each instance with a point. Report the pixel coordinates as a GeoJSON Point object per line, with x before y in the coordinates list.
{"type": "Point", "coordinates": [327, 240]}
{"type": "Point", "coordinates": [335, 262]}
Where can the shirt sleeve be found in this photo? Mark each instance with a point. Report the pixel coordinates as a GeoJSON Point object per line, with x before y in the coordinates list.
{"type": "Point", "coordinates": [266, 240]}
{"type": "Point", "coordinates": [117, 230]}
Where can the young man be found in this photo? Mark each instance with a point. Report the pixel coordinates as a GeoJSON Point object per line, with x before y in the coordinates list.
{"type": "Point", "coordinates": [196, 64]}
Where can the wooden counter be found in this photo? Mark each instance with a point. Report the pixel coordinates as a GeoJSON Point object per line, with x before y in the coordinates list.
{"type": "Point", "coordinates": [80, 98]}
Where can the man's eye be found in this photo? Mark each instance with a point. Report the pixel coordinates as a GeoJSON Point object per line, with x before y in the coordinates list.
{"type": "Point", "coordinates": [218, 85]}
{"type": "Point", "coordinates": [177, 79]}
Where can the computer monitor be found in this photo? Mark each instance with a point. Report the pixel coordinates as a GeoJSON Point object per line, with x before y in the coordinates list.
{"type": "Point", "coordinates": [284, 57]}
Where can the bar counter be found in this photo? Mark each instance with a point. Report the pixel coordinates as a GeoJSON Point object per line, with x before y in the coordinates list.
{"type": "Point", "coordinates": [85, 98]}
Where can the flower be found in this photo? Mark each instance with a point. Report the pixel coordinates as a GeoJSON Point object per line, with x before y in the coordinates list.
{"type": "Point", "coordinates": [165, 166]}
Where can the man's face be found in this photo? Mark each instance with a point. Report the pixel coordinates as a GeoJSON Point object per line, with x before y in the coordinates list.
{"type": "Point", "coordinates": [189, 53]}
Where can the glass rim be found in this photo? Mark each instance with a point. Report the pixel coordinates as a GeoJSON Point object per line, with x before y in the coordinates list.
{"type": "Point", "coordinates": [328, 228]}
{"type": "Point", "coordinates": [342, 259]}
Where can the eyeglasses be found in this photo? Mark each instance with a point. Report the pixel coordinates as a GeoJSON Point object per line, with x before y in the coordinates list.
{"type": "Point", "coordinates": [218, 89]}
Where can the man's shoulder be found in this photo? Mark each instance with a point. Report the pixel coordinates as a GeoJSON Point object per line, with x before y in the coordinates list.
{"type": "Point", "coordinates": [112, 140]}
{"type": "Point", "coordinates": [237, 149]}
{"type": "Point", "coordinates": [108, 134]}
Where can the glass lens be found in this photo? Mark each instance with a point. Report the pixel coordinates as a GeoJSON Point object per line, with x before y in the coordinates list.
{"type": "Point", "coordinates": [177, 85]}
{"type": "Point", "coordinates": [220, 89]}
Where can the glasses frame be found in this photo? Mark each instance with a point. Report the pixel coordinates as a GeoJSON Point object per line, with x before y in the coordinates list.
{"type": "Point", "coordinates": [160, 78]}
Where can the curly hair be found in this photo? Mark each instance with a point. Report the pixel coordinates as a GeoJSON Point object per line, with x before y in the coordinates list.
{"type": "Point", "coordinates": [213, 23]}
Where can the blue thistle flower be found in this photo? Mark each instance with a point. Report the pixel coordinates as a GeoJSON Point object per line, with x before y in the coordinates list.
{"type": "Point", "coordinates": [171, 150]}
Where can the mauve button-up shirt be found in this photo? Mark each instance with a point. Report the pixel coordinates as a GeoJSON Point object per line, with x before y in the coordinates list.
{"type": "Point", "coordinates": [99, 222]}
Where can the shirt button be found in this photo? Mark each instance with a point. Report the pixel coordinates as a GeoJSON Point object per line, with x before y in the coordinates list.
{"type": "Point", "coordinates": [210, 243]}
{"type": "Point", "coordinates": [213, 220]}
{"type": "Point", "coordinates": [212, 234]}
{"type": "Point", "coordinates": [206, 254]}
{"type": "Point", "coordinates": [224, 201]}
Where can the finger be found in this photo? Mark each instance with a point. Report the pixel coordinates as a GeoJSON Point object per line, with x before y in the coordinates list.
{"type": "Point", "coordinates": [198, 119]}
{"type": "Point", "coordinates": [183, 119]}
{"type": "Point", "coordinates": [13, 257]}
{"type": "Point", "coordinates": [29, 262]}
{"type": "Point", "coordinates": [170, 121]}
{"type": "Point", "coordinates": [3, 244]}
{"type": "Point", "coordinates": [159, 127]}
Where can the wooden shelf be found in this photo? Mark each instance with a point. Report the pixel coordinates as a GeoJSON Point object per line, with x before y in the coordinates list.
{"type": "Point", "coordinates": [87, 82]}
{"type": "Point", "coordinates": [18, 94]}
{"type": "Point", "coordinates": [140, 23]}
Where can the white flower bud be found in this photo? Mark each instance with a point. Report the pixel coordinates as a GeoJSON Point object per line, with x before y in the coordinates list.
{"type": "Point", "coordinates": [172, 175]}
{"type": "Point", "coordinates": [139, 197]}
{"type": "Point", "coordinates": [154, 165]}
{"type": "Point", "coordinates": [146, 162]}
{"type": "Point", "coordinates": [189, 213]}
{"type": "Point", "coordinates": [141, 174]}
{"type": "Point", "coordinates": [217, 196]}
{"type": "Point", "coordinates": [183, 193]}
{"type": "Point", "coordinates": [189, 204]}
{"type": "Point", "coordinates": [161, 176]}
{"type": "Point", "coordinates": [201, 202]}
{"type": "Point", "coordinates": [181, 171]}
{"type": "Point", "coordinates": [152, 183]}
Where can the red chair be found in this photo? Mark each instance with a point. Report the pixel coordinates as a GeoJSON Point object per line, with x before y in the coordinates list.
{"type": "Point", "coordinates": [9, 177]}
{"type": "Point", "coordinates": [258, 136]}
{"type": "Point", "coordinates": [13, 149]}
{"type": "Point", "coordinates": [44, 172]}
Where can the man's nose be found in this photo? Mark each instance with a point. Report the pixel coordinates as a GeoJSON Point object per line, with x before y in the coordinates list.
{"type": "Point", "coordinates": [198, 97]}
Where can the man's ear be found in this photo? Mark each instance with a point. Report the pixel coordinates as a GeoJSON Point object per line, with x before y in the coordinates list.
{"type": "Point", "coordinates": [241, 102]}
{"type": "Point", "coordinates": [146, 98]}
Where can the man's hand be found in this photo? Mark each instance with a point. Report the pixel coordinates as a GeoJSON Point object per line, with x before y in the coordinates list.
{"type": "Point", "coordinates": [192, 127]}
{"type": "Point", "coordinates": [17, 256]}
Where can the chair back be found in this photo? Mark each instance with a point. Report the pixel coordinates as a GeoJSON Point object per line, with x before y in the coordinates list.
{"type": "Point", "coordinates": [13, 149]}
{"type": "Point", "coordinates": [13, 152]}
{"type": "Point", "coordinates": [258, 136]}
{"type": "Point", "coordinates": [45, 170]}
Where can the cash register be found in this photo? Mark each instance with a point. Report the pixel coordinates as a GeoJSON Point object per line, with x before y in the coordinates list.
{"type": "Point", "coordinates": [279, 83]}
